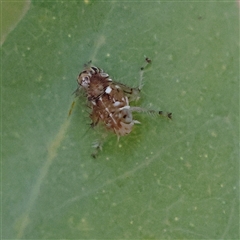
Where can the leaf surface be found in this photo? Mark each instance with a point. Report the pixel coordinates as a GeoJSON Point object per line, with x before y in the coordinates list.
{"type": "Point", "coordinates": [166, 180]}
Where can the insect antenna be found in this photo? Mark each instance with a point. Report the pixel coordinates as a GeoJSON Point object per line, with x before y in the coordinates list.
{"type": "Point", "coordinates": [86, 65]}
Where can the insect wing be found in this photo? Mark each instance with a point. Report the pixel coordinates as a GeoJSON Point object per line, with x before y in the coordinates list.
{"type": "Point", "coordinates": [132, 93]}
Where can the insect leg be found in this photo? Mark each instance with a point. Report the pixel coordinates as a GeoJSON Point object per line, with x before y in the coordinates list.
{"type": "Point", "coordinates": [97, 145]}
{"type": "Point", "coordinates": [71, 108]}
{"type": "Point", "coordinates": [147, 61]}
{"type": "Point", "coordinates": [144, 110]}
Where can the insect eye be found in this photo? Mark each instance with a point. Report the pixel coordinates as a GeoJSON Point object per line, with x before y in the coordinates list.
{"type": "Point", "coordinates": [84, 80]}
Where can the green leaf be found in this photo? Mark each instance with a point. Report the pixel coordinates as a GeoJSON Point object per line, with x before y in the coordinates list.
{"type": "Point", "coordinates": [166, 180]}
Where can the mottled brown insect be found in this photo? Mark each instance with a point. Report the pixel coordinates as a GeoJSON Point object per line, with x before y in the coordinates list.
{"type": "Point", "coordinates": [109, 100]}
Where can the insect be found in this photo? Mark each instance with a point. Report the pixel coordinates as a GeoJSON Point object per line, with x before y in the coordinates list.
{"type": "Point", "coordinates": [109, 101]}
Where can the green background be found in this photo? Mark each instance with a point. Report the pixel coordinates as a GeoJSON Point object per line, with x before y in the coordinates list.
{"type": "Point", "coordinates": [166, 180]}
